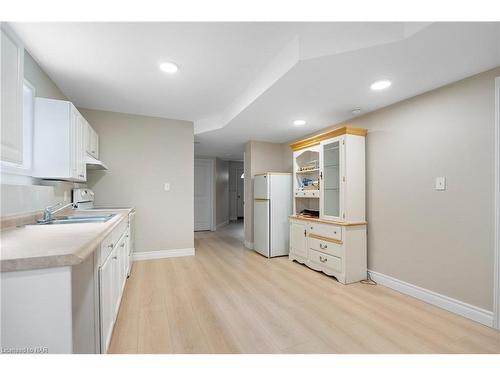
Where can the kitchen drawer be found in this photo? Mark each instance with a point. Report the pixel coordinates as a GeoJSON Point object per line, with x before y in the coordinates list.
{"type": "Point", "coordinates": [119, 230]}
{"type": "Point", "coordinates": [112, 240]}
{"type": "Point", "coordinates": [324, 246]}
{"type": "Point", "coordinates": [106, 247]}
{"type": "Point", "coordinates": [326, 230]}
{"type": "Point", "coordinates": [328, 262]}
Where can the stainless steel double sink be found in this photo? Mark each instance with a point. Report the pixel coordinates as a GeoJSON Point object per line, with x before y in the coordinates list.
{"type": "Point", "coordinates": [77, 219]}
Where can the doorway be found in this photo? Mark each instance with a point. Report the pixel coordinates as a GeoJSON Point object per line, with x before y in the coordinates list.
{"type": "Point", "coordinates": [203, 194]}
{"type": "Point", "coordinates": [239, 193]}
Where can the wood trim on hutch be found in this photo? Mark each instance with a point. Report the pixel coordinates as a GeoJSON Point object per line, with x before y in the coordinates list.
{"type": "Point", "coordinates": [323, 238]}
{"type": "Point", "coordinates": [316, 139]}
{"type": "Point", "coordinates": [299, 217]}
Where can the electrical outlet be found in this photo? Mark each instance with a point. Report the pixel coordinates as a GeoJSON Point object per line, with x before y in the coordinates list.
{"type": "Point", "coordinates": [440, 183]}
{"type": "Point", "coordinates": [166, 186]}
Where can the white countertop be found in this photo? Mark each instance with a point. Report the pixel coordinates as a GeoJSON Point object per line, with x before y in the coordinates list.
{"type": "Point", "coordinates": [54, 245]}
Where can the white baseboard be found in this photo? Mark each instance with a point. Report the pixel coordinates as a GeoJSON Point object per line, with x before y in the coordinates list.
{"type": "Point", "coordinates": [159, 254]}
{"type": "Point", "coordinates": [466, 310]}
{"type": "Point", "coordinates": [248, 245]}
{"type": "Point", "coordinates": [223, 224]}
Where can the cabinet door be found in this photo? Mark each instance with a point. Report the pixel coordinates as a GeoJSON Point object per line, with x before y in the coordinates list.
{"type": "Point", "coordinates": [122, 262]}
{"type": "Point", "coordinates": [107, 300]}
{"type": "Point", "coordinates": [12, 56]}
{"type": "Point", "coordinates": [73, 141]}
{"type": "Point", "coordinates": [79, 149]}
{"type": "Point", "coordinates": [331, 184]}
{"type": "Point", "coordinates": [94, 143]}
{"type": "Point", "coordinates": [88, 138]}
{"type": "Point", "coordinates": [298, 239]}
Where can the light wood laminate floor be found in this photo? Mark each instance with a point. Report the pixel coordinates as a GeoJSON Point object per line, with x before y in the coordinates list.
{"type": "Point", "coordinates": [227, 299]}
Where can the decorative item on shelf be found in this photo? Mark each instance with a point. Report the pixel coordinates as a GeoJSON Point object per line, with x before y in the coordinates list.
{"type": "Point", "coordinates": [311, 166]}
{"type": "Point", "coordinates": [309, 213]}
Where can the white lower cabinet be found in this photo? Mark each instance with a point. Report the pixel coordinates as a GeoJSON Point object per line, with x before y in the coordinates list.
{"type": "Point", "coordinates": [298, 239]}
{"type": "Point", "coordinates": [113, 273]}
{"type": "Point", "coordinates": [341, 254]}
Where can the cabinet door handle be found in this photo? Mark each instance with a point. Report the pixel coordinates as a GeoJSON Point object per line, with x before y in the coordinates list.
{"type": "Point", "coordinates": [111, 245]}
{"type": "Point", "coordinates": [322, 260]}
{"type": "Point", "coordinates": [305, 232]}
{"type": "Point", "coordinates": [122, 245]}
{"type": "Point", "coordinates": [323, 246]}
{"type": "Point", "coordinates": [81, 175]}
{"type": "Point", "coordinates": [115, 257]}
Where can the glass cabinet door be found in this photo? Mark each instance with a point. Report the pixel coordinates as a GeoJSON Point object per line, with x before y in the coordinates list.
{"type": "Point", "coordinates": [331, 161]}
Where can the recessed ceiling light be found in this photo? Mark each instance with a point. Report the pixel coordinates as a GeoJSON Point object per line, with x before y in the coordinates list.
{"type": "Point", "coordinates": [299, 122]}
{"type": "Point", "coordinates": [356, 111]}
{"type": "Point", "coordinates": [380, 85]}
{"type": "Point", "coordinates": [169, 67]}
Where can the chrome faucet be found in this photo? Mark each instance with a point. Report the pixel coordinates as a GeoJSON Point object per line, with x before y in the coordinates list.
{"type": "Point", "coordinates": [51, 210]}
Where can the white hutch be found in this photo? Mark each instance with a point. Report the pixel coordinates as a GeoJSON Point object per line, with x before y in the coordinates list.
{"type": "Point", "coordinates": [328, 225]}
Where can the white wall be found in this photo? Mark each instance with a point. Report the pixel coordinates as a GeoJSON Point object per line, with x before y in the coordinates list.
{"type": "Point", "coordinates": [438, 240]}
{"type": "Point", "coordinates": [142, 154]}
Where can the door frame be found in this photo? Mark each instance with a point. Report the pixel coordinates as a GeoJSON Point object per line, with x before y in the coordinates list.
{"type": "Point", "coordinates": [212, 190]}
{"type": "Point", "coordinates": [496, 278]}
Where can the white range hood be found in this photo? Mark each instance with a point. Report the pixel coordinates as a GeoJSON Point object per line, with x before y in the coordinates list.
{"type": "Point", "coordinates": [93, 163]}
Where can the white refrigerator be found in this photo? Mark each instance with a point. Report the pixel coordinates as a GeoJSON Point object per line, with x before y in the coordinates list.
{"type": "Point", "coordinates": [271, 207]}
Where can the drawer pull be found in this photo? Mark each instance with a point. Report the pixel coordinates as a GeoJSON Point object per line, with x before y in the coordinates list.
{"type": "Point", "coordinates": [115, 257]}
{"type": "Point", "coordinates": [322, 260]}
{"type": "Point", "coordinates": [122, 244]}
{"type": "Point", "coordinates": [323, 246]}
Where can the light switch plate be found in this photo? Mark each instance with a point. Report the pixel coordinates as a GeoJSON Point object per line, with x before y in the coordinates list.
{"type": "Point", "coordinates": [167, 186]}
{"type": "Point", "coordinates": [440, 183]}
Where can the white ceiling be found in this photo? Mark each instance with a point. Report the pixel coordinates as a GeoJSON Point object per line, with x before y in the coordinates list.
{"type": "Point", "coordinates": [242, 81]}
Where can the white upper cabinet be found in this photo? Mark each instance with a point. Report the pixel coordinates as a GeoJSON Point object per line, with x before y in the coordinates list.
{"type": "Point", "coordinates": [12, 59]}
{"type": "Point", "coordinates": [59, 141]}
{"type": "Point", "coordinates": [91, 141]}
{"type": "Point", "coordinates": [329, 176]}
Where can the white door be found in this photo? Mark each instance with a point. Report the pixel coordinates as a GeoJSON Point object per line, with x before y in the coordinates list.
{"type": "Point", "coordinates": [240, 191]}
{"type": "Point", "coordinates": [203, 194]}
{"type": "Point", "coordinates": [261, 229]}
